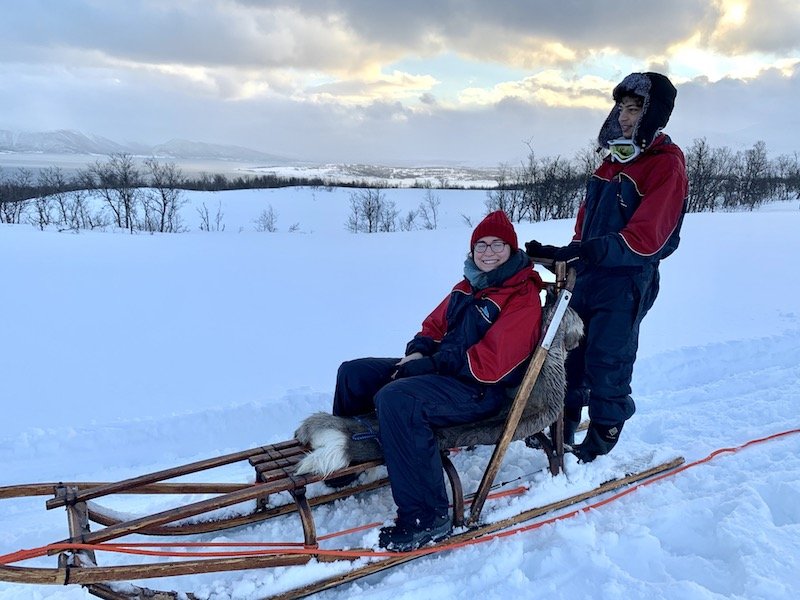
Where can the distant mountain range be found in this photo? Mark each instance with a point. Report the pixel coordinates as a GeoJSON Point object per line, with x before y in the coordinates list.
{"type": "Point", "coordinates": [65, 141]}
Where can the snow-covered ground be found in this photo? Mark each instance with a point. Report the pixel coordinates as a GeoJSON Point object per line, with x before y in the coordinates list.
{"type": "Point", "coordinates": [123, 354]}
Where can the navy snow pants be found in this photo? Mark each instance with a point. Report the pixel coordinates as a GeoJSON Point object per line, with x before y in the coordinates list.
{"type": "Point", "coordinates": [408, 411]}
{"type": "Point", "coordinates": [612, 305]}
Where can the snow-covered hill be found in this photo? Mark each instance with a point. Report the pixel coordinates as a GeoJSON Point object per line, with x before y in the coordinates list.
{"type": "Point", "coordinates": [70, 142]}
{"type": "Point", "coordinates": [125, 354]}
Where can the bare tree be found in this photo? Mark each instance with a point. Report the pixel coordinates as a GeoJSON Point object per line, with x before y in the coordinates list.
{"type": "Point", "coordinates": [587, 160]}
{"type": "Point", "coordinates": [388, 217]}
{"type": "Point", "coordinates": [508, 195]}
{"type": "Point", "coordinates": [552, 189]}
{"type": "Point", "coordinates": [50, 182]}
{"type": "Point", "coordinates": [267, 220]}
{"type": "Point", "coordinates": [207, 223]}
{"type": "Point", "coordinates": [81, 215]}
{"type": "Point", "coordinates": [15, 194]}
{"type": "Point", "coordinates": [756, 179]}
{"type": "Point", "coordinates": [787, 170]}
{"type": "Point", "coordinates": [117, 181]}
{"type": "Point", "coordinates": [429, 210]}
{"type": "Point", "coordinates": [371, 212]}
{"type": "Point", "coordinates": [163, 200]}
{"type": "Point", "coordinates": [408, 223]}
{"type": "Point", "coordinates": [703, 169]}
{"type": "Point", "coordinates": [540, 189]}
{"type": "Point", "coordinates": [53, 184]}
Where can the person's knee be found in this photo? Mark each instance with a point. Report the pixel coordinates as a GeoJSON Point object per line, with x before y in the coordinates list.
{"type": "Point", "coordinates": [394, 401]}
{"type": "Point", "coordinates": [345, 369]}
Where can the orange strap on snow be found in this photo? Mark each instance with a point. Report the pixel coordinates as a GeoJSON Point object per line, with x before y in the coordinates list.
{"type": "Point", "coordinates": [269, 548]}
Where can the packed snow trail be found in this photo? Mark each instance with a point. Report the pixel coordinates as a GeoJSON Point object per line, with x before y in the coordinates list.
{"type": "Point", "coordinates": [211, 362]}
{"type": "Point", "coordinates": [696, 381]}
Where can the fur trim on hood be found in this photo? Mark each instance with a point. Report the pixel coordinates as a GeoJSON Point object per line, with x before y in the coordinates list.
{"type": "Point", "coordinates": [658, 95]}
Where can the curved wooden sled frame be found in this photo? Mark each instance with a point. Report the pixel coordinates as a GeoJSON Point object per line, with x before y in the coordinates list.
{"type": "Point", "coordinates": [274, 465]}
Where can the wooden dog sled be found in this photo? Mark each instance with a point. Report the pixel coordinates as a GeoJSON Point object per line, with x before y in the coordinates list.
{"type": "Point", "coordinates": [276, 476]}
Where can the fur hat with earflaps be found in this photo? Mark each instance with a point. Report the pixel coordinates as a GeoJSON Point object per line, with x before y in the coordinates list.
{"type": "Point", "coordinates": [658, 99]}
{"type": "Point", "coordinates": [497, 225]}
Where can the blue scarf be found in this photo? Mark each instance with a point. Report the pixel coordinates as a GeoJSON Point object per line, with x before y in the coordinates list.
{"type": "Point", "coordinates": [481, 280]}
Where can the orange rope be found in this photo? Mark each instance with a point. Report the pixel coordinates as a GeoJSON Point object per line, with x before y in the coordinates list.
{"type": "Point", "coordinates": [293, 548]}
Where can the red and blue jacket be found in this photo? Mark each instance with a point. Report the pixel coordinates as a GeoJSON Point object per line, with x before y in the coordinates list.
{"type": "Point", "coordinates": [633, 211]}
{"type": "Point", "coordinates": [484, 337]}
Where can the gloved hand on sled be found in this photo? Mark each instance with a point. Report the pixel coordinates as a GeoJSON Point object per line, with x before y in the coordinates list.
{"type": "Point", "coordinates": [408, 357]}
{"type": "Point", "coordinates": [536, 249]}
{"type": "Point", "coordinates": [412, 368]}
{"type": "Point", "coordinates": [600, 439]}
{"type": "Point", "coordinates": [569, 253]}
{"type": "Point", "coordinates": [565, 254]}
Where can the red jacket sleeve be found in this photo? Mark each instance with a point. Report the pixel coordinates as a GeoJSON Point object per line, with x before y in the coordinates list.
{"type": "Point", "coordinates": [663, 189]}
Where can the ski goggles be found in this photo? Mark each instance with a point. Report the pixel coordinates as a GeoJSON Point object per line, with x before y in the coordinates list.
{"type": "Point", "coordinates": [623, 150]}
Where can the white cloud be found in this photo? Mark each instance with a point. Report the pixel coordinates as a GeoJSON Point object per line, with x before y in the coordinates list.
{"type": "Point", "coordinates": [315, 79]}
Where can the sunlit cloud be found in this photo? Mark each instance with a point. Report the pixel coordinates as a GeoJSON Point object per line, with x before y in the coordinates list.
{"type": "Point", "coordinates": [549, 88]}
{"type": "Point", "coordinates": [394, 86]}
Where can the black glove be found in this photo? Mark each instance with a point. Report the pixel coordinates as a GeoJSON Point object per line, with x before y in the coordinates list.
{"type": "Point", "coordinates": [535, 249]}
{"type": "Point", "coordinates": [569, 253]}
{"type": "Point", "coordinates": [600, 439]}
{"type": "Point", "coordinates": [419, 366]}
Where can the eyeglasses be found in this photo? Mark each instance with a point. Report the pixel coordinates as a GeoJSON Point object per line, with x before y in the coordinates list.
{"type": "Point", "coordinates": [496, 246]}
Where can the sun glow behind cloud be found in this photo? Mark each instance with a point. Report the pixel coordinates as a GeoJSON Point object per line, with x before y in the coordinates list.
{"type": "Point", "coordinates": [734, 13]}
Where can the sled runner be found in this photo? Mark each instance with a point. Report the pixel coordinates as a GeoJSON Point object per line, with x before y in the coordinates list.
{"type": "Point", "coordinates": [536, 408]}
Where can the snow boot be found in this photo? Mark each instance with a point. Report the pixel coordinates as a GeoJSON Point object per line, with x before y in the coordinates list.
{"type": "Point", "coordinates": [600, 439]}
{"type": "Point", "coordinates": [403, 538]}
{"type": "Point", "coordinates": [570, 427]}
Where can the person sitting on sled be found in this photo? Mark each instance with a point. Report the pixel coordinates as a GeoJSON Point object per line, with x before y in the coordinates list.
{"type": "Point", "coordinates": [461, 367]}
{"type": "Point", "coordinates": [629, 221]}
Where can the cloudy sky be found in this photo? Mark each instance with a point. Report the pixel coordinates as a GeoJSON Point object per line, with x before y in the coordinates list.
{"type": "Point", "coordinates": [412, 81]}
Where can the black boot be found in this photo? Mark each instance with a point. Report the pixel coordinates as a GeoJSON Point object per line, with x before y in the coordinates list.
{"type": "Point", "coordinates": [404, 537]}
{"type": "Point", "coordinates": [600, 439]}
{"type": "Point", "coordinates": [570, 427]}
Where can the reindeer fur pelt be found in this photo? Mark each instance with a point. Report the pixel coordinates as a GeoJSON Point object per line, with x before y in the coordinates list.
{"type": "Point", "coordinates": [337, 442]}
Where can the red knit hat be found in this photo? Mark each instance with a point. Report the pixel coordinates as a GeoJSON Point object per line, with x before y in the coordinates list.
{"type": "Point", "coordinates": [498, 225]}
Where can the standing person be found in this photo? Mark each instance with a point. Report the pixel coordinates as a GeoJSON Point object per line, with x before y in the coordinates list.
{"type": "Point", "coordinates": [629, 221]}
{"type": "Point", "coordinates": [472, 350]}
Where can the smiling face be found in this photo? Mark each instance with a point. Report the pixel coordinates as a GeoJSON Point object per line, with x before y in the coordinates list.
{"type": "Point", "coordinates": [630, 110]}
{"type": "Point", "coordinates": [487, 253]}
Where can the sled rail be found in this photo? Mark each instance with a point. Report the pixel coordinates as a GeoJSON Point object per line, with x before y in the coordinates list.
{"type": "Point", "coordinates": [274, 466]}
{"type": "Point", "coordinates": [294, 484]}
{"type": "Point", "coordinates": [133, 483]}
{"type": "Point", "coordinates": [48, 489]}
{"type": "Point", "coordinates": [70, 571]}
